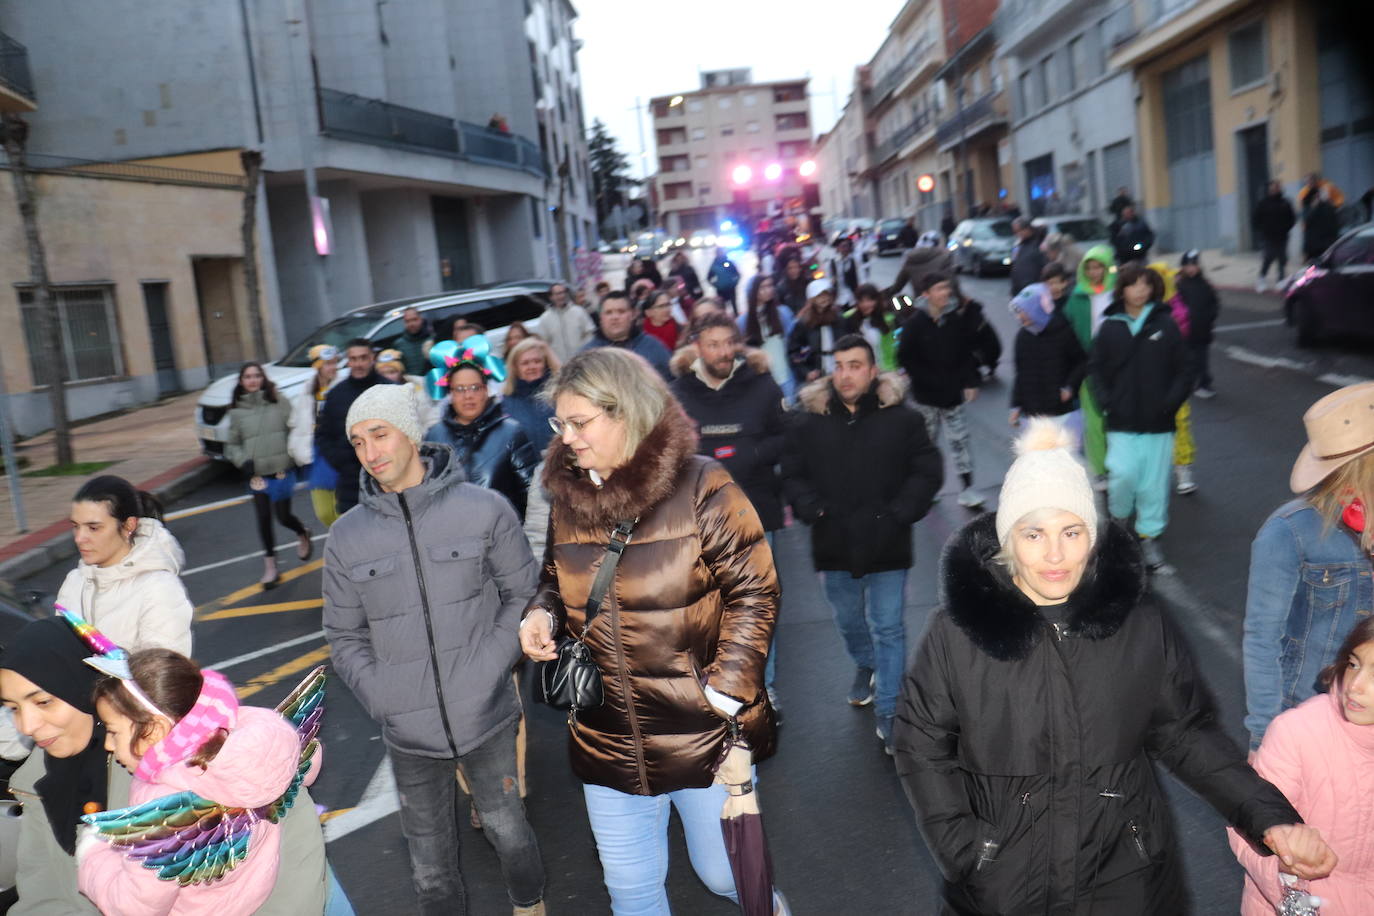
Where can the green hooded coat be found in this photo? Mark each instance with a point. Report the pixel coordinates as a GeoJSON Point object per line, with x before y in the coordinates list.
{"type": "Point", "coordinates": [1079, 311]}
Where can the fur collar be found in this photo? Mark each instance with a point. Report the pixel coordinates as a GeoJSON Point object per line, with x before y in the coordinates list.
{"type": "Point", "coordinates": [640, 484]}
{"type": "Point", "coordinates": [981, 600]}
{"type": "Point", "coordinates": [817, 396]}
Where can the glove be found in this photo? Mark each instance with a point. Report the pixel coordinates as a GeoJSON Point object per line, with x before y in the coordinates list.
{"type": "Point", "coordinates": [87, 839]}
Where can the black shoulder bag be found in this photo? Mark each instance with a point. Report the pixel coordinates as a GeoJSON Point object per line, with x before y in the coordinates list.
{"type": "Point", "coordinates": [572, 680]}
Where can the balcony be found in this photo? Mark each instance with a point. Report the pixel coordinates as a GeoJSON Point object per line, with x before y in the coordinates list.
{"type": "Point", "coordinates": [16, 83]}
{"type": "Point", "coordinates": [352, 117]}
{"type": "Point", "coordinates": [911, 63]}
{"type": "Point", "coordinates": [975, 118]}
{"type": "Point", "coordinates": [890, 147]}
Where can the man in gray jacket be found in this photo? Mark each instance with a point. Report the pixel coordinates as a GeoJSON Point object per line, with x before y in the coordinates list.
{"type": "Point", "coordinates": [424, 584]}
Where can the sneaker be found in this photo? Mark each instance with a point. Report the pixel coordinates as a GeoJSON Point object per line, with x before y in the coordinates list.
{"type": "Point", "coordinates": [780, 907]}
{"type": "Point", "coordinates": [536, 909]}
{"type": "Point", "coordinates": [1261, 285]}
{"type": "Point", "coordinates": [774, 702]}
{"type": "Point", "coordinates": [861, 694]}
{"type": "Point", "coordinates": [970, 499]}
{"type": "Point", "coordinates": [1205, 393]}
{"type": "Point", "coordinates": [1186, 484]}
{"type": "Point", "coordinates": [1154, 557]}
{"type": "Point", "coordinates": [1100, 483]}
{"type": "Point", "coordinates": [884, 731]}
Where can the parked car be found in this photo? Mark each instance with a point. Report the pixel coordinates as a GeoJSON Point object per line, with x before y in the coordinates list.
{"type": "Point", "coordinates": [982, 245]}
{"type": "Point", "coordinates": [888, 234]}
{"type": "Point", "coordinates": [1082, 230]}
{"type": "Point", "coordinates": [1333, 295]}
{"type": "Point", "coordinates": [494, 307]}
{"type": "Point", "coordinates": [702, 238]}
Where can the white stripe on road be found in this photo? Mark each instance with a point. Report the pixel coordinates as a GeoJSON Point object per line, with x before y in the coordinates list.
{"type": "Point", "coordinates": [379, 800]}
{"type": "Point", "coordinates": [1341, 381]}
{"type": "Point", "coordinates": [259, 653]}
{"type": "Point", "coordinates": [247, 556]}
{"type": "Point", "coordinates": [1200, 615]}
{"type": "Point", "coordinates": [1242, 355]}
{"type": "Point", "coordinates": [196, 510]}
{"type": "Point", "coordinates": [1247, 325]}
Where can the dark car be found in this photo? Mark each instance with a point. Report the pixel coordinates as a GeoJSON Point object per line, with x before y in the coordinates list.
{"type": "Point", "coordinates": [888, 235]}
{"type": "Point", "coordinates": [1335, 295]}
{"type": "Point", "coordinates": [982, 245]}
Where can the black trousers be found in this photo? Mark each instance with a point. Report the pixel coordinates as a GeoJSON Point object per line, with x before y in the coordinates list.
{"type": "Point", "coordinates": [265, 509]}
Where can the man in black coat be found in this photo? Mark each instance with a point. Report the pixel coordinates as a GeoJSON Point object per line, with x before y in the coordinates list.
{"type": "Point", "coordinates": [737, 408]}
{"type": "Point", "coordinates": [1027, 260]}
{"type": "Point", "coordinates": [1132, 236]}
{"type": "Point", "coordinates": [1273, 219]}
{"type": "Point", "coordinates": [331, 438]}
{"type": "Point", "coordinates": [860, 469]}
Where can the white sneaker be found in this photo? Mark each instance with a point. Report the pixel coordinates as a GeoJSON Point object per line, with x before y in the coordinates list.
{"type": "Point", "coordinates": [1205, 393]}
{"type": "Point", "coordinates": [970, 499]}
{"type": "Point", "coordinates": [1186, 484]}
{"type": "Point", "coordinates": [1261, 285]}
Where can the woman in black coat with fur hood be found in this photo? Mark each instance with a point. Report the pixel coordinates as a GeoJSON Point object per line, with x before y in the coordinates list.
{"type": "Point", "coordinates": [1042, 690]}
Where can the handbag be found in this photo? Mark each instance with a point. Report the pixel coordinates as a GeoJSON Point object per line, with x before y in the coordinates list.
{"type": "Point", "coordinates": [572, 680]}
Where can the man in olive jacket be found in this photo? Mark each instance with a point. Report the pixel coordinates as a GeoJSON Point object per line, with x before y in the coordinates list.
{"type": "Point", "coordinates": [860, 469]}
{"type": "Point", "coordinates": [424, 584]}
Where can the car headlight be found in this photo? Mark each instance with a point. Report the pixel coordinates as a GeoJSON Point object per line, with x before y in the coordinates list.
{"type": "Point", "coordinates": [1006, 262]}
{"type": "Point", "coordinates": [968, 242]}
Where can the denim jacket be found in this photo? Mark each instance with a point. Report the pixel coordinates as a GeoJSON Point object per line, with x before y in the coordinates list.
{"type": "Point", "coordinates": [1309, 584]}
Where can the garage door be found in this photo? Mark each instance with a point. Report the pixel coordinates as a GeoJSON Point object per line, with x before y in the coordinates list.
{"type": "Point", "coordinates": [1192, 221]}
{"type": "Point", "coordinates": [1347, 116]}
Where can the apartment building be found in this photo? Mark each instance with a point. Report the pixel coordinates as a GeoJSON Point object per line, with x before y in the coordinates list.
{"type": "Point", "coordinates": [704, 137]}
{"type": "Point", "coordinates": [973, 135]}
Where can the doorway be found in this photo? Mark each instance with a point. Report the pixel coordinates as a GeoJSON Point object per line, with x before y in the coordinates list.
{"type": "Point", "coordinates": [451, 236]}
{"type": "Point", "coordinates": [160, 335]}
{"type": "Point", "coordinates": [1252, 154]}
{"type": "Point", "coordinates": [219, 314]}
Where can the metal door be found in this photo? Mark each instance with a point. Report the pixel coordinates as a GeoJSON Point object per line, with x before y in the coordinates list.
{"type": "Point", "coordinates": [160, 334]}
{"type": "Point", "coordinates": [1252, 154]}
{"type": "Point", "coordinates": [451, 235]}
{"type": "Point", "coordinates": [1116, 170]}
{"type": "Point", "coordinates": [1192, 216]}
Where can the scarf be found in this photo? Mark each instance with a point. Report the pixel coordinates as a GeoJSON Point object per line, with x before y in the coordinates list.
{"type": "Point", "coordinates": [48, 653]}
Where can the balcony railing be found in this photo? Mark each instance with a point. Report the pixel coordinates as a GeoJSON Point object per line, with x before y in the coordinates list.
{"type": "Point", "coordinates": [353, 117]}
{"type": "Point", "coordinates": [976, 114]}
{"type": "Point", "coordinates": [14, 67]}
{"type": "Point", "coordinates": [893, 78]}
{"type": "Point", "coordinates": [892, 144]}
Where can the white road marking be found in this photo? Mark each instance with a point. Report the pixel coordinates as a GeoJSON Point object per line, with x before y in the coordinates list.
{"type": "Point", "coordinates": [247, 556]}
{"type": "Point", "coordinates": [379, 800]}
{"type": "Point", "coordinates": [268, 650]}
{"type": "Point", "coordinates": [196, 510]}
{"type": "Point", "coordinates": [1200, 615]}
{"type": "Point", "coordinates": [1240, 354]}
{"type": "Point", "coordinates": [1341, 381]}
{"type": "Point", "coordinates": [1247, 325]}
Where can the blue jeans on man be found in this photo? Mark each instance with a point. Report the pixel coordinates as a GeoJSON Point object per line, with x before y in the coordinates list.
{"type": "Point", "coordinates": [868, 613]}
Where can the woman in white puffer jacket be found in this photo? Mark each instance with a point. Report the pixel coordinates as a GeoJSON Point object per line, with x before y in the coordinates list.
{"type": "Point", "coordinates": [128, 582]}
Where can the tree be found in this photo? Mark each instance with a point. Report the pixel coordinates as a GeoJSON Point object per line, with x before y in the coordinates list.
{"type": "Point", "coordinates": [14, 133]}
{"type": "Point", "coordinates": [610, 171]}
{"type": "Point", "coordinates": [252, 173]}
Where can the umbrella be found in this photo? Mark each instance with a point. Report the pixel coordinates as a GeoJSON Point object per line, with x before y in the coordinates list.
{"type": "Point", "coordinates": [742, 824]}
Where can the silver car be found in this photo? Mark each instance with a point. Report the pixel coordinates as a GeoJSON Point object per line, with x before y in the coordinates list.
{"type": "Point", "coordinates": [1082, 230]}
{"type": "Point", "coordinates": [495, 308]}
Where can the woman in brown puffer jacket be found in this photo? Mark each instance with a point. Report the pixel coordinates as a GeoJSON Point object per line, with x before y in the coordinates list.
{"type": "Point", "coordinates": [683, 631]}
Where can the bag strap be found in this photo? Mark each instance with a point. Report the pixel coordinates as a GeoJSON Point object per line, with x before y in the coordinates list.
{"type": "Point", "coordinates": [620, 537]}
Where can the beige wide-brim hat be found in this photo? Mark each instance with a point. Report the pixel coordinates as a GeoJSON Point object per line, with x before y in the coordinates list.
{"type": "Point", "coordinates": [1340, 428]}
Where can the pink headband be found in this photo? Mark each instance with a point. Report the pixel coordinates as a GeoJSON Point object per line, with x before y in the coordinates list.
{"type": "Point", "coordinates": [216, 708]}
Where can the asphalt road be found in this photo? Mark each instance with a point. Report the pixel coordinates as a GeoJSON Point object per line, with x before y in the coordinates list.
{"type": "Point", "coordinates": [843, 836]}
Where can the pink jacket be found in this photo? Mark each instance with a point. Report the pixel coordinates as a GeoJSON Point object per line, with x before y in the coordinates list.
{"type": "Point", "coordinates": [253, 768]}
{"type": "Point", "coordinates": [1325, 766]}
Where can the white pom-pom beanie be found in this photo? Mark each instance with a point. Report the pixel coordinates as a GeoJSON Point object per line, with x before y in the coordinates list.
{"type": "Point", "coordinates": [1046, 475]}
{"type": "Point", "coordinates": [393, 403]}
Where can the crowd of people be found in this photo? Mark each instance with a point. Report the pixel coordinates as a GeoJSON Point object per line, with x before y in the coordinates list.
{"type": "Point", "coordinates": [606, 491]}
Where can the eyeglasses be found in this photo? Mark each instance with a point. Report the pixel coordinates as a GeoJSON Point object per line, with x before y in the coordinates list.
{"type": "Point", "coordinates": [559, 426]}
{"type": "Point", "coordinates": [467, 389]}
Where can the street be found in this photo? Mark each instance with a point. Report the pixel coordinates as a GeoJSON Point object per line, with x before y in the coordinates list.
{"type": "Point", "coordinates": [843, 836]}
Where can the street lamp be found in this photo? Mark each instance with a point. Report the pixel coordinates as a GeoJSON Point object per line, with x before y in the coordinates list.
{"type": "Point", "coordinates": [675, 101]}
{"type": "Point", "coordinates": [772, 172]}
{"type": "Point", "coordinates": [807, 168]}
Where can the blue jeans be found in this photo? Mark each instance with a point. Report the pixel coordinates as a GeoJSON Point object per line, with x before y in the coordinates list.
{"type": "Point", "coordinates": [876, 639]}
{"type": "Point", "coordinates": [632, 840]}
{"type": "Point", "coordinates": [428, 790]}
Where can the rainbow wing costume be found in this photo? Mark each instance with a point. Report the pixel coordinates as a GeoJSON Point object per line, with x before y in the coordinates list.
{"type": "Point", "coordinates": [193, 840]}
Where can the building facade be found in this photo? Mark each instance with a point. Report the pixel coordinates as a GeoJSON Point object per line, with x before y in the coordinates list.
{"type": "Point", "coordinates": [1073, 115]}
{"type": "Point", "coordinates": [407, 148]}
{"type": "Point", "coordinates": [702, 137]}
{"type": "Point", "coordinates": [1233, 93]}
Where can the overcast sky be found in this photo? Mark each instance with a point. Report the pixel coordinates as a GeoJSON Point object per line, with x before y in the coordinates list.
{"type": "Point", "coordinates": [643, 50]}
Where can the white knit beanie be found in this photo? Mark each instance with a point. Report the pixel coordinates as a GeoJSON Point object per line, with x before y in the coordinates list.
{"type": "Point", "coordinates": [1046, 475]}
{"type": "Point", "coordinates": [393, 403]}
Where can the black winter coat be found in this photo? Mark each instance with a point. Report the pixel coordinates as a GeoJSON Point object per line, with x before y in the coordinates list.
{"type": "Point", "coordinates": [1025, 741]}
{"type": "Point", "coordinates": [1027, 261]}
{"type": "Point", "coordinates": [492, 450]}
{"type": "Point", "coordinates": [860, 480]}
{"type": "Point", "coordinates": [1203, 306]}
{"type": "Point", "coordinates": [981, 335]}
{"type": "Point", "coordinates": [1140, 381]}
{"type": "Point", "coordinates": [1127, 235]}
{"type": "Point", "coordinates": [689, 279]}
{"type": "Point", "coordinates": [741, 425]}
{"type": "Point", "coordinates": [331, 438]}
{"type": "Point", "coordinates": [806, 349]}
{"type": "Point", "coordinates": [1273, 218]}
{"type": "Point", "coordinates": [1045, 363]}
{"type": "Point", "coordinates": [938, 357]}
{"type": "Point", "coordinates": [1320, 228]}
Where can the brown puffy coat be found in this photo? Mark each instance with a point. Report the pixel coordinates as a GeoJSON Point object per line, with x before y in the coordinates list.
{"type": "Point", "coordinates": [694, 598]}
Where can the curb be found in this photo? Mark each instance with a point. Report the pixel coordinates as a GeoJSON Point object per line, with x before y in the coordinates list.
{"type": "Point", "coordinates": [52, 544]}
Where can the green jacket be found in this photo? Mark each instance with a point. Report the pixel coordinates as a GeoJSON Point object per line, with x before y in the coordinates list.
{"type": "Point", "coordinates": [1079, 309]}
{"type": "Point", "coordinates": [258, 432]}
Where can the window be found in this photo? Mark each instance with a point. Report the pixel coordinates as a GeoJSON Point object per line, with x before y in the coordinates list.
{"type": "Point", "coordinates": [695, 106]}
{"type": "Point", "coordinates": [1353, 251]}
{"type": "Point", "coordinates": [792, 149]}
{"type": "Point", "coordinates": [756, 154]}
{"type": "Point", "coordinates": [90, 337]}
{"type": "Point", "coordinates": [1026, 93]}
{"type": "Point", "coordinates": [537, 217]}
{"type": "Point", "coordinates": [701, 160]}
{"type": "Point", "coordinates": [794, 121]}
{"type": "Point", "coordinates": [1246, 49]}
{"type": "Point", "coordinates": [1076, 71]}
{"type": "Point", "coordinates": [1048, 90]}
{"type": "Point", "coordinates": [725, 101]}
{"type": "Point", "coordinates": [749, 99]}
{"type": "Point", "coordinates": [1113, 30]}
{"type": "Point", "coordinates": [698, 133]}
{"type": "Point", "coordinates": [704, 189]}
{"type": "Point", "coordinates": [676, 163]}
{"type": "Point", "coordinates": [677, 190]}
{"type": "Point", "coordinates": [728, 130]}
{"type": "Point", "coordinates": [667, 136]}
{"type": "Point", "coordinates": [796, 93]}
{"type": "Point", "coordinates": [975, 84]}
{"type": "Point", "coordinates": [751, 127]}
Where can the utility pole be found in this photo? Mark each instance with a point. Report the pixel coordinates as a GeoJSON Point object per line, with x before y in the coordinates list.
{"type": "Point", "coordinates": [307, 149]}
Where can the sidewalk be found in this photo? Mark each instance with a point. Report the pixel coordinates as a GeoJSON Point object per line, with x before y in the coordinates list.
{"type": "Point", "coordinates": [1236, 271]}
{"type": "Point", "coordinates": [153, 447]}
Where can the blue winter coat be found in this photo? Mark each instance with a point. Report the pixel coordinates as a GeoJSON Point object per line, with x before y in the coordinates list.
{"type": "Point", "coordinates": [493, 451]}
{"type": "Point", "coordinates": [525, 407]}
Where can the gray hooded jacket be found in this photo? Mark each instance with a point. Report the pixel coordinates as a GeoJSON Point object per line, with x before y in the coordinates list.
{"type": "Point", "coordinates": [423, 592]}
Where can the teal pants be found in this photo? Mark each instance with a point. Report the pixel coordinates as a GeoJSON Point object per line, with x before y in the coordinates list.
{"type": "Point", "coordinates": [1138, 466]}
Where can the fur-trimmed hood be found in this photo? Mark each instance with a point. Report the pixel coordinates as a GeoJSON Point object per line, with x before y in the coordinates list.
{"type": "Point", "coordinates": [982, 601]}
{"type": "Point", "coordinates": [685, 355]}
{"type": "Point", "coordinates": [640, 484]}
{"type": "Point", "coordinates": [818, 396]}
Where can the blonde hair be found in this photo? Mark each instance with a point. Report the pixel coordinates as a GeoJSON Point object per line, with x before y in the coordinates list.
{"type": "Point", "coordinates": [529, 343]}
{"type": "Point", "coordinates": [620, 383]}
{"type": "Point", "coordinates": [1353, 479]}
